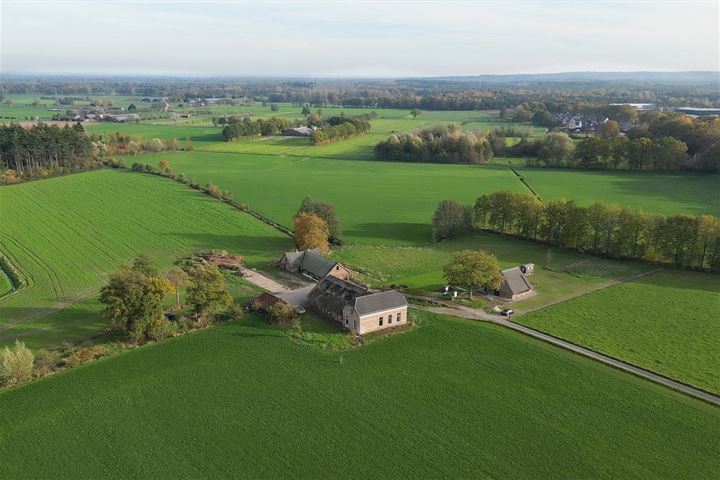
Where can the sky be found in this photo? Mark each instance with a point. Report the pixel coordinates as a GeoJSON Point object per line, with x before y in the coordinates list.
{"type": "Point", "coordinates": [357, 39]}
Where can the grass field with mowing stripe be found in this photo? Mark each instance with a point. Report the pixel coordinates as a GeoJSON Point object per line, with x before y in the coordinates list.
{"type": "Point", "coordinates": [65, 234]}
{"type": "Point", "coordinates": [668, 322]}
{"type": "Point", "coordinates": [559, 274]}
{"type": "Point", "coordinates": [221, 402]}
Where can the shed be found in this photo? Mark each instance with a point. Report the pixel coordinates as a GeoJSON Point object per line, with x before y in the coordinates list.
{"type": "Point", "coordinates": [298, 132]}
{"type": "Point", "coordinates": [515, 284]}
{"type": "Point", "coordinates": [527, 268]}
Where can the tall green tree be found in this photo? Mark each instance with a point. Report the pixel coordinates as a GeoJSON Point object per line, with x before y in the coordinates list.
{"type": "Point", "coordinates": [206, 291]}
{"type": "Point", "coordinates": [473, 269]}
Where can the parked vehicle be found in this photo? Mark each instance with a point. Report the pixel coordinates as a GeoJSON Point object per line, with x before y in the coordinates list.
{"type": "Point", "coordinates": [507, 312]}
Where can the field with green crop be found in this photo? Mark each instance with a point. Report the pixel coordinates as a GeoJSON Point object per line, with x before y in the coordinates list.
{"type": "Point", "coordinates": [668, 322]}
{"type": "Point", "coordinates": [559, 274]}
{"type": "Point", "coordinates": [664, 193]}
{"type": "Point", "coordinates": [242, 400]}
{"type": "Point", "coordinates": [65, 234]}
{"type": "Point", "coordinates": [5, 284]}
{"type": "Point", "coordinates": [377, 202]}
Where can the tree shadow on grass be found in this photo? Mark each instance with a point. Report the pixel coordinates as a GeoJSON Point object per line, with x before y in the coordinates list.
{"type": "Point", "coordinates": [400, 232]}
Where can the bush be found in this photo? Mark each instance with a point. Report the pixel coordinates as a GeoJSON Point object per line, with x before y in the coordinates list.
{"type": "Point", "coordinates": [16, 365]}
{"type": "Point", "coordinates": [282, 313]}
{"type": "Point", "coordinates": [234, 312]}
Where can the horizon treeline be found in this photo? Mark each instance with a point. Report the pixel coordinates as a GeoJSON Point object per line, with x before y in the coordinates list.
{"type": "Point", "coordinates": [688, 241]}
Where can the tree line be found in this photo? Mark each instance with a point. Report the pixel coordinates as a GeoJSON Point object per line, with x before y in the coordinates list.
{"type": "Point", "coordinates": [247, 127]}
{"type": "Point", "coordinates": [688, 241]}
{"type": "Point", "coordinates": [43, 150]}
{"type": "Point", "coordinates": [439, 144]}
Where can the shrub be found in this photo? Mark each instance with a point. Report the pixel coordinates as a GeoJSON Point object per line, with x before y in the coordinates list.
{"type": "Point", "coordinates": [234, 312]}
{"type": "Point", "coordinates": [282, 313]}
{"type": "Point", "coordinates": [138, 167]}
{"type": "Point", "coordinates": [213, 190]}
{"type": "Point", "coordinates": [16, 365]}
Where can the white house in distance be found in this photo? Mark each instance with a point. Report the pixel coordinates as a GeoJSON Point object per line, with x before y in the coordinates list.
{"type": "Point", "coordinates": [356, 308]}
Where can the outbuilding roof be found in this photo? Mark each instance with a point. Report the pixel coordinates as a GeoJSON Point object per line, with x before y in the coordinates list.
{"type": "Point", "coordinates": [377, 302]}
{"type": "Point", "coordinates": [316, 264]}
{"type": "Point", "coordinates": [516, 280]}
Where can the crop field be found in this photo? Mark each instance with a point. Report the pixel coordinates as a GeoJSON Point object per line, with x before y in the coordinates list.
{"type": "Point", "coordinates": [473, 393]}
{"type": "Point", "coordinates": [67, 233]}
{"type": "Point", "coordinates": [668, 322]}
{"type": "Point", "coordinates": [663, 193]}
{"type": "Point", "coordinates": [200, 136]}
{"type": "Point", "coordinates": [377, 202]}
{"type": "Point", "coordinates": [5, 284]}
{"type": "Point", "coordinates": [559, 274]}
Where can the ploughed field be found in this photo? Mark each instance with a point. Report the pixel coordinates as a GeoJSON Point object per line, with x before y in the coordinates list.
{"type": "Point", "coordinates": [451, 398]}
{"type": "Point", "coordinates": [66, 234]}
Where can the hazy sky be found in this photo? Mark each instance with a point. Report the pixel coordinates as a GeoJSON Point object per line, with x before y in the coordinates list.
{"type": "Point", "coordinates": [362, 38]}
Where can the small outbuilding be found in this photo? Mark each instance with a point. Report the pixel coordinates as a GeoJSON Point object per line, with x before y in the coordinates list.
{"type": "Point", "coordinates": [298, 132]}
{"type": "Point", "coordinates": [515, 284]}
{"type": "Point", "coordinates": [527, 268]}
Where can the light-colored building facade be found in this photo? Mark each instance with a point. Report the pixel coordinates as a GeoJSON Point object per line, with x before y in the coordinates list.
{"type": "Point", "coordinates": [356, 308]}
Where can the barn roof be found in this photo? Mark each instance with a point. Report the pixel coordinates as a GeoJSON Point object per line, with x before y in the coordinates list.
{"type": "Point", "coordinates": [377, 302]}
{"type": "Point", "coordinates": [516, 280]}
{"type": "Point", "coordinates": [316, 264]}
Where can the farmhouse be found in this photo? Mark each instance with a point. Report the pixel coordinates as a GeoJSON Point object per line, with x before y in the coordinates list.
{"type": "Point", "coordinates": [298, 132]}
{"type": "Point", "coordinates": [312, 263]}
{"type": "Point", "coordinates": [515, 284]}
{"type": "Point", "coordinates": [356, 308]}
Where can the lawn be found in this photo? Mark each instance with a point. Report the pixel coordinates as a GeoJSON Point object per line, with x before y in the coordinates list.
{"type": "Point", "coordinates": [559, 274]}
{"type": "Point", "coordinates": [377, 202]}
{"type": "Point", "coordinates": [668, 322]}
{"type": "Point", "coordinates": [664, 193]}
{"type": "Point", "coordinates": [449, 399]}
{"type": "Point", "coordinates": [67, 233]}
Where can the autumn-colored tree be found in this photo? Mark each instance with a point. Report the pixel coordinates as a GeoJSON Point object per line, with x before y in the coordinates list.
{"type": "Point", "coordinates": [473, 269]}
{"type": "Point", "coordinates": [311, 231]}
{"type": "Point", "coordinates": [177, 278]}
{"type": "Point", "coordinates": [164, 165]}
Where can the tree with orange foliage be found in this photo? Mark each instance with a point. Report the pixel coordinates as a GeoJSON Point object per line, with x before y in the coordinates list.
{"type": "Point", "coordinates": [311, 231]}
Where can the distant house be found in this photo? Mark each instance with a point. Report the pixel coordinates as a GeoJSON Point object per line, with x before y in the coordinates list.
{"type": "Point", "coordinates": [515, 284]}
{"type": "Point", "coordinates": [122, 118]}
{"type": "Point", "coordinates": [298, 132]}
{"type": "Point", "coordinates": [356, 308]}
{"type": "Point", "coordinates": [312, 263]}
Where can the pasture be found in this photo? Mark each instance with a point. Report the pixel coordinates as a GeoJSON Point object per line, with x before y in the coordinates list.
{"type": "Point", "coordinates": [668, 322]}
{"type": "Point", "coordinates": [89, 224]}
{"type": "Point", "coordinates": [377, 202]}
{"type": "Point", "coordinates": [559, 274]}
{"type": "Point", "coordinates": [473, 393]}
{"type": "Point", "coordinates": [668, 193]}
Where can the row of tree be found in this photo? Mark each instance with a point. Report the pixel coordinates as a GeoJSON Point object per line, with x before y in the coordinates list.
{"type": "Point", "coordinates": [681, 240]}
{"type": "Point", "coordinates": [44, 149]}
{"type": "Point", "coordinates": [247, 127]}
{"type": "Point", "coordinates": [440, 144]}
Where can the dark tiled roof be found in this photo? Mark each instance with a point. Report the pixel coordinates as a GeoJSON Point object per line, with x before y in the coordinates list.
{"type": "Point", "coordinates": [316, 264]}
{"type": "Point", "coordinates": [341, 289]}
{"type": "Point", "coordinates": [516, 280]}
{"type": "Point", "coordinates": [377, 302]}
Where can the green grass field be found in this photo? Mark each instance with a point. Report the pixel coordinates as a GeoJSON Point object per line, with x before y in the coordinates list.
{"type": "Point", "coordinates": [668, 322]}
{"type": "Point", "coordinates": [559, 274]}
{"type": "Point", "coordinates": [67, 233]}
{"type": "Point", "coordinates": [377, 202]}
{"type": "Point", "coordinates": [449, 399]}
{"type": "Point", "coordinates": [663, 193]}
